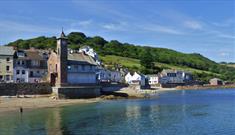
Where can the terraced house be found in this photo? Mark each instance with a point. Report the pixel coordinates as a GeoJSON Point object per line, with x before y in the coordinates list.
{"type": "Point", "coordinates": [6, 63]}
{"type": "Point", "coordinates": [30, 66]}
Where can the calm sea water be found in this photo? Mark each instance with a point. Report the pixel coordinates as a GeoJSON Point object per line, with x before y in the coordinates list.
{"type": "Point", "coordinates": [202, 112]}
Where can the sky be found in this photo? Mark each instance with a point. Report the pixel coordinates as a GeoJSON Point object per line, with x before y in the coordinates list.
{"type": "Point", "coordinates": [190, 26]}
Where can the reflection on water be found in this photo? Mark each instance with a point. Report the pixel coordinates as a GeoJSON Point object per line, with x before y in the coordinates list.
{"type": "Point", "coordinates": [180, 112]}
{"type": "Point", "coordinates": [53, 123]}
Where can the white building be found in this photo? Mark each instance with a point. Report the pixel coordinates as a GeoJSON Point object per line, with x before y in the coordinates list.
{"type": "Point", "coordinates": [135, 78]}
{"type": "Point", "coordinates": [90, 51]}
{"type": "Point", "coordinates": [29, 66]}
{"type": "Point", "coordinates": [175, 77]}
{"type": "Point", "coordinates": [153, 79]}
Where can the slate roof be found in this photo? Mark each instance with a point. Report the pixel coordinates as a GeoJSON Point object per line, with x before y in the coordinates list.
{"type": "Point", "coordinates": [80, 58]}
{"type": "Point", "coordinates": [6, 50]}
{"type": "Point", "coordinates": [32, 55]}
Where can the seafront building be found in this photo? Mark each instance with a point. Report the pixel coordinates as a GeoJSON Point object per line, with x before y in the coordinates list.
{"type": "Point", "coordinates": [175, 77]}
{"type": "Point", "coordinates": [109, 76]}
{"type": "Point", "coordinates": [216, 81]}
{"type": "Point", "coordinates": [135, 78]}
{"type": "Point", "coordinates": [6, 63]}
{"type": "Point", "coordinates": [153, 79]}
{"type": "Point", "coordinates": [30, 66]}
{"type": "Point", "coordinates": [70, 67]}
{"type": "Point", "coordinates": [73, 74]}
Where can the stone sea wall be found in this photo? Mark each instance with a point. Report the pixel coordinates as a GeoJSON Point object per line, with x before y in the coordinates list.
{"type": "Point", "coordinates": [13, 89]}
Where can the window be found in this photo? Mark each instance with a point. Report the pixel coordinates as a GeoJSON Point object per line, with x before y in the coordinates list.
{"type": "Point", "coordinates": [8, 59]}
{"type": "Point", "coordinates": [18, 62]}
{"type": "Point", "coordinates": [17, 72]}
{"type": "Point", "coordinates": [23, 72]}
{"type": "Point", "coordinates": [83, 67]}
{"type": "Point", "coordinates": [38, 72]}
{"type": "Point", "coordinates": [8, 77]}
{"type": "Point", "coordinates": [31, 73]}
{"type": "Point", "coordinates": [35, 63]}
{"type": "Point", "coordinates": [22, 62]}
{"type": "Point", "coordinates": [8, 68]}
{"type": "Point", "coordinates": [90, 67]}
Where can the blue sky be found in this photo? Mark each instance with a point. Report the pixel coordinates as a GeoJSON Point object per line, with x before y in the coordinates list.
{"type": "Point", "coordinates": [201, 26]}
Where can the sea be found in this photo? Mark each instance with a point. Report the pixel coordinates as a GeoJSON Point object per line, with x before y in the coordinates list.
{"type": "Point", "coordinates": [181, 112]}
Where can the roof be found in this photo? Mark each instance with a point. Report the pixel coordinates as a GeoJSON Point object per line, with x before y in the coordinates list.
{"type": "Point", "coordinates": [216, 79]}
{"type": "Point", "coordinates": [80, 58]}
{"type": "Point", "coordinates": [152, 75]}
{"type": "Point", "coordinates": [32, 55]}
{"type": "Point", "coordinates": [62, 35]}
{"type": "Point", "coordinates": [6, 50]}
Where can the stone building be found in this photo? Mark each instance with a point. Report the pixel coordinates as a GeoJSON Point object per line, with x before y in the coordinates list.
{"type": "Point", "coordinates": [216, 81]}
{"type": "Point", "coordinates": [70, 67]}
{"type": "Point", "coordinates": [6, 63]}
{"type": "Point", "coordinates": [73, 74]}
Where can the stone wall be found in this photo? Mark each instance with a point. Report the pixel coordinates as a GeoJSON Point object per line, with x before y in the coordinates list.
{"type": "Point", "coordinates": [113, 87]}
{"type": "Point", "coordinates": [74, 92]}
{"type": "Point", "coordinates": [12, 89]}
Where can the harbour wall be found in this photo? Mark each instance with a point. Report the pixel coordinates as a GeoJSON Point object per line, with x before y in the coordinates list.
{"type": "Point", "coordinates": [13, 89]}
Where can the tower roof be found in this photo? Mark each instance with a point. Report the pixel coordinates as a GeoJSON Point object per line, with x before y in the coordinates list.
{"type": "Point", "coordinates": [62, 35]}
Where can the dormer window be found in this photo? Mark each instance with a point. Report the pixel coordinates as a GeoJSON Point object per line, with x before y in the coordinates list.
{"type": "Point", "coordinates": [8, 59]}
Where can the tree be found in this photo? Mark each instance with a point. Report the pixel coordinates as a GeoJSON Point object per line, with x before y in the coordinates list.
{"type": "Point", "coordinates": [147, 60]}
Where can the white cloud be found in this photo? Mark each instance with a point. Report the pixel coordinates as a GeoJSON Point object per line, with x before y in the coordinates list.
{"type": "Point", "coordinates": [225, 23]}
{"type": "Point", "coordinates": [12, 26]}
{"type": "Point", "coordinates": [224, 54]}
{"type": "Point", "coordinates": [162, 29]}
{"type": "Point", "coordinates": [122, 26]}
{"type": "Point", "coordinates": [193, 25]}
{"type": "Point", "coordinates": [85, 23]}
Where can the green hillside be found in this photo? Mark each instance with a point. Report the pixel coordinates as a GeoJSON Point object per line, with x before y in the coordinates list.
{"type": "Point", "coordinates": [134, 64]}
{"type": "Point", "coordinates": [128, 55]}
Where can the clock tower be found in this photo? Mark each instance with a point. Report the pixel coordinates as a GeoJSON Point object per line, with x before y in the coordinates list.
{"type": "Point", "coordinates": [62, 54]}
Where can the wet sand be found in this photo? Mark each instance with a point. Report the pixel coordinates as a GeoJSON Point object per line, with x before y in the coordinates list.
{"type": "Point", "coordinates": [13, 104]}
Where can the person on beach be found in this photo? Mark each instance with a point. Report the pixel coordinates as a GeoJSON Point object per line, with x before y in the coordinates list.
{"type": "Point", "coordinates": [21, 110]}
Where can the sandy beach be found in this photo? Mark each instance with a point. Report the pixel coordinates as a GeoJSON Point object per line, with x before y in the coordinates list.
{"type": "Point", "coordinates": [13, 104]}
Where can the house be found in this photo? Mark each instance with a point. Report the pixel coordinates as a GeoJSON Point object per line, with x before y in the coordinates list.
{"type": "Point", "coordinates": [115, 76]}
{"type": "Point", "coordinates": [153, 79]}
{"type": "Point", "coordinates": [216, 81]}
{"type": "Point", "coordinates": [104, 75]}
{"type": "Point", "coordinates": [70, 67]}
{"type": "Point", "coordinates": [30, 66]}
{"type": "Point", "coordinates": [90, 51]}
{"type": "Point", "coordinates": [108, 76]}
{"type": "Point", "coordinates": [6, 63]}
{"type": "Point", "coordinates": [175, 77]}
{"type": "Point", "coordinates": [135, 78]}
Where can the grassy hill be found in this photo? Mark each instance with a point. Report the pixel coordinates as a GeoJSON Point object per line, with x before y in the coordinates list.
{"type": "Point", "coordinates": [134, 64]}
{"type": "Point", "coordinates": [128, 55]}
